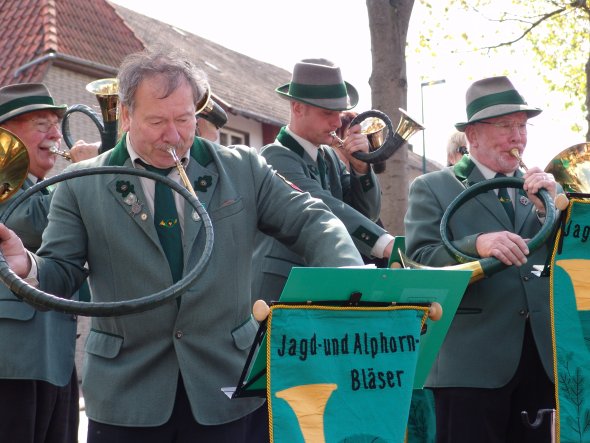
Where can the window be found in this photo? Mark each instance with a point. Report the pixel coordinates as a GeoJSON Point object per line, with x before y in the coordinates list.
{"type": "Point", "coordinates": [229, 137]}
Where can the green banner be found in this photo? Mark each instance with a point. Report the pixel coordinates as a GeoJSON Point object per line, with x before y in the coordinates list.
{"type": "Point", "coordinates": [341, 374]}
{"type": "Point", "coordinates": [570, 301]}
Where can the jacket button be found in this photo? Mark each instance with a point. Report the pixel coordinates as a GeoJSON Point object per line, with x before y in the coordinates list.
{"type": "Point", "coordinates": [178, 334]}
{"type": "Point", "coordinates": [522, 312]}
{"type": "Point", "coordinates": [526, 278]}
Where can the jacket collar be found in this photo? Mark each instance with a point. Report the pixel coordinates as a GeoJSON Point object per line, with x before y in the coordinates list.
{"type": "Point", "coordinates": [120, 154]}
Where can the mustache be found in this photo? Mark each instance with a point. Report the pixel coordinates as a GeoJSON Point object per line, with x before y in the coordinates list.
{"type": "Point", "coordinates": [165, 147]}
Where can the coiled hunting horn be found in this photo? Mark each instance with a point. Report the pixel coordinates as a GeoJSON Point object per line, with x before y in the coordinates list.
{"type": "Point", "coordinates": [14, 164]}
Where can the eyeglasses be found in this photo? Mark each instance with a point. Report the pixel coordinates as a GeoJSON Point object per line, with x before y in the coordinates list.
{"type": "Point", "coordinates": [506, 128]}
{"type": "Point", "coordinates": [44, 125]}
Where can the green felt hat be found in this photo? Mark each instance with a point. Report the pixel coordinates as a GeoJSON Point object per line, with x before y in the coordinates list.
{"type": "Point", "coordinates": [26, 97]}
{"type": "Point", "coordinates": [318, 82]}
{"type": "Point", "coordinates": [494, 97]}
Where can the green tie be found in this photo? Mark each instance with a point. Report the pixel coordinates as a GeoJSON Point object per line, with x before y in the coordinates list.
{"type": "Point", "coordinates": [167, 224]}
{"type": "Point", "coordinates": [322, 167]}
{"type": "Point", "coordinates": [504, 198]}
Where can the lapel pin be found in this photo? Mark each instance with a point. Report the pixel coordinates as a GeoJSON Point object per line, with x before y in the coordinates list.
{"type": "Point", "coordinates": [126, 190]}
{"type": "Point", "coordinates": [524, 200]}
{"type": "Point", "coordinates": [203, 183]}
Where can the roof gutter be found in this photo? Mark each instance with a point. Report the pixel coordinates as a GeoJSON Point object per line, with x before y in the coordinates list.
{"type": "Point", "coordinates": [85, 66]}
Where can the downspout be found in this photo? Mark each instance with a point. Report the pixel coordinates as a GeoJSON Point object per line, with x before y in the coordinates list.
{"type": "Point", "coordinates": [66, 58]}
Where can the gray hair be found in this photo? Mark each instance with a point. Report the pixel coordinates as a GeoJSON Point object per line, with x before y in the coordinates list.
{"type": "Point", "coordinates": [168, 63]}
{"type": "Point", "coordinates": [456, 141]}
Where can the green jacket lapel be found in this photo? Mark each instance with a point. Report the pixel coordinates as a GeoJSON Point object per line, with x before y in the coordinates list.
{"type": "Point", "coordinates": [128, 192]}
{"type": "Point", "coordinates": [289, 142]}
{"type": "Point", "coordinates": [466, 171]}
{"type": "Point", "coordinates": [204, 181]}
{"type": "Point", "coordinates": [522, 206]}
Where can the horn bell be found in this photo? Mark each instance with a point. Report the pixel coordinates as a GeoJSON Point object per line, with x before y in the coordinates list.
{"type": "Point", "coordinates": [477, 271]}
{"type": "Point", "coordinates": [571, 168]}
{"type": "Point", "coordinates": [107, 94]}
{"type": "Point", "coordinates": [14, 164]}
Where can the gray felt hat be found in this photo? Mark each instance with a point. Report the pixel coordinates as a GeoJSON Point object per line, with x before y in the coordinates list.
{"type": "Point", "coordinates": [26, 97]}
{"type": "Point", "coordinates": [493, 97]}
{"type": "Point", "coordinates": [318, 82]}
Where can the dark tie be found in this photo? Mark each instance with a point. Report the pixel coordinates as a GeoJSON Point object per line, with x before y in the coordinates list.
{"type": "Point", "coordinates": [43, 191]}
{"type": "Point", "coordinates": [167, 224]}
{"type": "Point", "coordinates": [504, 198]}
{"type": "Point", "coordinates": [322, 167]}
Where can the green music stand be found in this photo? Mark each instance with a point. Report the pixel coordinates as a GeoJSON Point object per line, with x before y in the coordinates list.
{"type": "Point", "coordinates": [366, 285]}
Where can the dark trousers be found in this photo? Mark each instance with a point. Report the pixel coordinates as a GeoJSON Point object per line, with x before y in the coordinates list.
{"type": "Point", "coordinates": [183, 428]}
{"type": "Point", "coordinates": [33, 411]}
{"type": "Point", "coordinates": [467, 415]}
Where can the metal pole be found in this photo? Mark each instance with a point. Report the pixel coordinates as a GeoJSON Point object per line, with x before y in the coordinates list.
{"type": "Point", "coordinates": [423, 135]}
{"type": "Point", "coordinates": [430, 83]}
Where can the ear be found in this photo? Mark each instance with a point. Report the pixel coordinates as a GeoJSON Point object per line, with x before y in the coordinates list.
{"type": "Point", "coordinates": [297, 107]}
{"type": "Point", "coordinates": [471, 135]}
{"type": "Point", "coordinates": [125, 118]}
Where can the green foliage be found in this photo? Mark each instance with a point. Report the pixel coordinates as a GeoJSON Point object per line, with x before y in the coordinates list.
{"type": "Point", "coordinates": [555, 32]}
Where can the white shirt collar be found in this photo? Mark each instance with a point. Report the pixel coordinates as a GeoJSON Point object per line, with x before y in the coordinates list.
{"type": "Point", "coordinates": [487, 172]}
{"type": "Point", "coordinates": [134, 156]}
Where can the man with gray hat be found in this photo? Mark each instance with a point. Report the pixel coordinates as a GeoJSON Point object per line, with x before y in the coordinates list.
{"type": "Point", "coordinates": [496, 360]}
{"type": "Point", "coordinates": [302, 154]}
{"type": "Point", "coordinates": [38, 381]}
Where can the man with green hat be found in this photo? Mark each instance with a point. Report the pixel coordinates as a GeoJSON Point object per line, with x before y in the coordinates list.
{"type": "Point", "coordinates": [38, 381]}
{"type": "Point", "coordinates": [302, 154]}
{"type": "Point", "coordinates": [496, 360]}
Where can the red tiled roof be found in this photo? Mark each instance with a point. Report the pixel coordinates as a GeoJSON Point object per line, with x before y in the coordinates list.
{"type": "Point", "coordinates": [95, 34]}
{"type": "Point", "coordinates": [87, 30]}
{"type": "Point", "coordinates": [92, 30]}
{"type": "Point", "coordinates": [26, 39]}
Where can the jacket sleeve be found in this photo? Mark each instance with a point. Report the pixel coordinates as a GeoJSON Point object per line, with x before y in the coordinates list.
{"type": "Point", "coordinates": [29, 218]}
{"type": "Point", "coordinates": [364, 232]}
{"type": "Point", "coordinates": [427, 202]}
{"type": "Point", "coordinates": [301, 222]}
{"type": "Point", "coordinates": [362, 192]}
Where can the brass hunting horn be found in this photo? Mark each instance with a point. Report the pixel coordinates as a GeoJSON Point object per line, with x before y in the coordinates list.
{"type": "Point", "coordinates": [106, 91]}
{"type": "Point", "coordinates": [382, 139]}
{"type": "Point", "coordinates": [571, 169]}
{"type": "Point", "coordinates": [14, 165]}
{"type": "Point", "coordinates": [210, 110]}
{"type": "Point", "coordinates": [485, 267]}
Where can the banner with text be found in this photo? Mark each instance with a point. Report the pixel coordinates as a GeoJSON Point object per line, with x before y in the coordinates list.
{"type": "Point", "coordinates": [570, 301]}
{"type": "Point", "coordinates": [341, 374]}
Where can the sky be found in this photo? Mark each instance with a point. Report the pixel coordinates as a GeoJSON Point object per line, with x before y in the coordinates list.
{"type": "Point", "coordinates": [283, 32]}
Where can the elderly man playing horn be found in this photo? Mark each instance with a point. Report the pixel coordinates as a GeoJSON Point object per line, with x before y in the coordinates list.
{"type": "Point", "coordinates": [38, 381]}
{"type": "Point", "coordinates": [496, 360]}
{"type": "Point", "coordinates": [157, 376]}
{"type": "Point", "coordinates": [302, 154]}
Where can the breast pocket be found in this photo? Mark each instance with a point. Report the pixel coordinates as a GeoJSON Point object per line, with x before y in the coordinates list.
{"type": "Point", "coordinates": [13, 308]}
{"type": "Point", "coordinates": [227, 209]}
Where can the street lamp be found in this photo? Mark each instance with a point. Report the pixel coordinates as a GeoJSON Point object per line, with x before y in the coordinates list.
{"type": "Point", "coordinates": [430, 83]}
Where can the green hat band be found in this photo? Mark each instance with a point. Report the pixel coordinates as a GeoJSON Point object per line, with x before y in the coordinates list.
{"type": "Point", "coordinates": [317, 91]}
{"type": "Point", "coordinates": [510, 97]}
{"type": "Point", "coordinates": [25, 101]}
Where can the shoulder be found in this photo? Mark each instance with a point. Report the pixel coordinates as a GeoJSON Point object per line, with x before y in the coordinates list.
{"type": "Point", "coordinates": [436, 181]}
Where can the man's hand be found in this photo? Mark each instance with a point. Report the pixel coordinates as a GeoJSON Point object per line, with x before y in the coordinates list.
{"type": "Point", "coordinates": [509, 248]}
{"type": "Point", "coordinates": [14, 252]}
{"type": "Point", "coordinates": [535, 179]}
{"type": "Point", "coordinates": [355, 141]}
{"type": "Point", "coordinates": [83, 151]}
